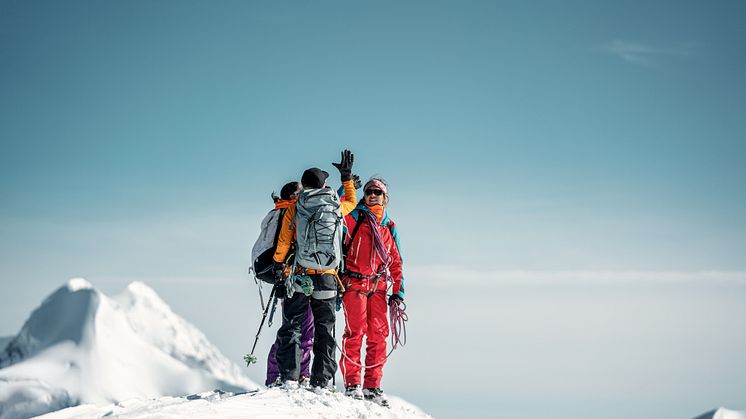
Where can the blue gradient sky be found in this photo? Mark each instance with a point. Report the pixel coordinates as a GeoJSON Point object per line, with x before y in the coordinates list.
{"type": "Point", "coordinates": [141, 139]}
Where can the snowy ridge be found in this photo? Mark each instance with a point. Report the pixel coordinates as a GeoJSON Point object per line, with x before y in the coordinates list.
{"type": "Point", "coordinates": [66, 315]}
{"type": "Point", "coordinates": [81, 346]}
{"type": "Point", "coordinates": [723, 413]}
{"type": "Point", "coordinates": [153, 320]}
{"type": "Point", "coordinates": [261, 404]}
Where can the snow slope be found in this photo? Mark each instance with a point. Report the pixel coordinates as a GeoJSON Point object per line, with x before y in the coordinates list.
{"type": "Point", "coordinates": [81, 346]}
{"type": "Point", "coordinates": [723, 413]}
{"type": "Point", "coordinates": [262, 404]}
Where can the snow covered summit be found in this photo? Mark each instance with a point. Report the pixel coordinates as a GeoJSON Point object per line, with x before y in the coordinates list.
{"type": "Point", "coordinates": [723, 413]}
{"type": "Point", "coordinates": [81, 346]}
{"type": "Point", "coordinates": [270, 403]}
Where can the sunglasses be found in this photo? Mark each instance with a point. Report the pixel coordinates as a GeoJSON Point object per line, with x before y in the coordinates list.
{"type": "Point", "coordinates": [376, 192]}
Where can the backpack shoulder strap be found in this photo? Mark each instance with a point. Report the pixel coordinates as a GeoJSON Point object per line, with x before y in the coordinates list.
{"type": "Point", "coordinates": [279, 226]}
{"type": "Point", "coordinates": [394, 234]}
{"type": "Point", "coordinates": [358, 223]}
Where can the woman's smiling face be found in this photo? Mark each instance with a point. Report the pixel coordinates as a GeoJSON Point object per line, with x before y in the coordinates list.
{"type": "Point", "coordinates": [374, 196]}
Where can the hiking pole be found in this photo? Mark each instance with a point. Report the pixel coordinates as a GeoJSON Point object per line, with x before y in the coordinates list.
{"type": "Point", "coordinates": [334, 336]}
{"type": "Point", "coordinates": [258, 285]}
{"type": "Point", "coordinates": [250, 358]}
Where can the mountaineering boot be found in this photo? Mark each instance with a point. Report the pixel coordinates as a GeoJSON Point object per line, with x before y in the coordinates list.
{"type": "Point", "coordinates": [354, 391]}
{"type": "Point", "coordinates": [304, 381]}
{"type": "Point", "coordinates": [276, 383]}
{"type": "Point", "coordinates": [376, 396]}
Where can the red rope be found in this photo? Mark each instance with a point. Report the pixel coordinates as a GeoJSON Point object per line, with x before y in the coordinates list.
{"type": "Point", "coordinates": [397, 322]}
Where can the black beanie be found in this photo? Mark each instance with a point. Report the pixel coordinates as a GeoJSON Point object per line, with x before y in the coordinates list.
{"type": "Point", "coordinates": [314, 178]}
{"type": "Point", "coordinates": [288, 190]}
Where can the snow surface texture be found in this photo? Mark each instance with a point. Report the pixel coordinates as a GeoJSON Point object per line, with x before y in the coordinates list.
{"type": "Point", "coordinates": [81, 346]}
{"type": "Point", "coordinates": [272, 403]}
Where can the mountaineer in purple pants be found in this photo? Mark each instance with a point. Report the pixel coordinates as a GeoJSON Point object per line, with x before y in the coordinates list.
{"type": "Point", "coordinates": [306, 344]}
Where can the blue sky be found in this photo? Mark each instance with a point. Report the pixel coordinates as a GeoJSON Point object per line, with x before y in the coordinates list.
{"type": "Point", "coordinates": [627, 116]}
{"type": "Point", "coordinates": [141, 139]}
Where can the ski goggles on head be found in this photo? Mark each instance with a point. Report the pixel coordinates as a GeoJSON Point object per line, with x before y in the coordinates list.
{"type": "Point", "coordinates": [376, 192]}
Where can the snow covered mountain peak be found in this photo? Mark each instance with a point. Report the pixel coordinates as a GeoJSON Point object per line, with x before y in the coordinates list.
{"type": "Point", "coordinates": [138, 293]}
{"type": "Point", "coordinates": [65, 316]}
{"type": "Point", "coordinates": [81, 346]}
{"type": "Point", "coordinates": [154, 321]}
{"type": "Point", "coordinates": [723, 413]}
{"type": "Point", "coordinates": [76, 284]}
{"type": "Point", "coordinates": [270, 403]}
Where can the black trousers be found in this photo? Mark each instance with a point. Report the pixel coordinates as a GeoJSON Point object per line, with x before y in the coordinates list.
{"type": "Point", "coordinates": [324, 364]}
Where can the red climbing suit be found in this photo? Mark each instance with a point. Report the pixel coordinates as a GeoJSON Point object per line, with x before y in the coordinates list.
{"type": "Point", "coordinates": [364, 302]}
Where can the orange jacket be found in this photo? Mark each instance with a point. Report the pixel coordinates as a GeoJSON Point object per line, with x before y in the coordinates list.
{"type": "Point", "coordinates": [285, 203]}
{"type": "Point", "coordinates": [287, 232]}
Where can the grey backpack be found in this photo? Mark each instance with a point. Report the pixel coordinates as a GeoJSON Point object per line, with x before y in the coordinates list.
{"type": "Point", "coordinates": [318, 226]}
{"type": "Point", "coordinates": [264, 248]}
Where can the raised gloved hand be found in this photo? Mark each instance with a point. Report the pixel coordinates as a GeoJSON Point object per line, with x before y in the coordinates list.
{"type": "Point", "coordinates": [345, 166]}
{"type": "Point", "coordinates": [278, 268]}
{"type": "Point", "coordinates": [395, 299]}
{"type": "Point", "coordinates": [357, 182]}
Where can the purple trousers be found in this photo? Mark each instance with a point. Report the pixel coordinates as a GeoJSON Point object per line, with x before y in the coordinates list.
{"type": "Point", "coordinates": [306, 344]}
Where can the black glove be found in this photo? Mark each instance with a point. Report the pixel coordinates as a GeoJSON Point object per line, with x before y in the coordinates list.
{"type": "Point", "coordinates": [395, 299]}
{"type": "Point", "coordinates": [357, 182]}
{"type": "Point", "coordinates": [345, 166]}
{"type": "Point", "coordinates": [278, 268]}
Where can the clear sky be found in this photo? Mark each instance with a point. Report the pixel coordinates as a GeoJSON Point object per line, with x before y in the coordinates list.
{"type": "Point", "coordinates": [140, 140]}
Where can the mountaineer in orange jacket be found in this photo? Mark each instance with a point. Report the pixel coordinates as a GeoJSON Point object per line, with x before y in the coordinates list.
{"type": "Point", "coordinates": [288, 196]}
{"type": "Point", "coordinates": [372, 258]}
{"type": "Point", "coordinates": [322, 299]}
